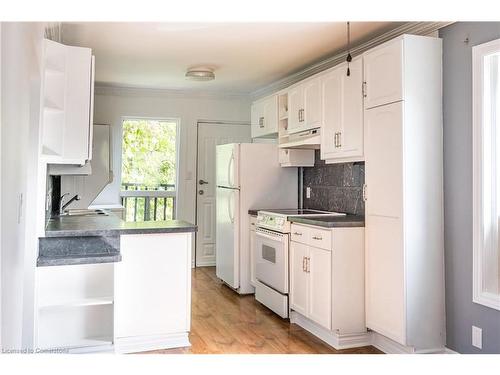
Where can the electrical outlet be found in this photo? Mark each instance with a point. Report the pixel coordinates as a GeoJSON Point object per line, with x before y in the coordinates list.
{"type": "Point", "coordinates": [477, 337]}
{"type": "Point", "coordinates": [308, 192]}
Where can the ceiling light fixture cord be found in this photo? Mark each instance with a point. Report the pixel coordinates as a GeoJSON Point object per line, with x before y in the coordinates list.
{"type": "Point", "coordinates": [349, 57]}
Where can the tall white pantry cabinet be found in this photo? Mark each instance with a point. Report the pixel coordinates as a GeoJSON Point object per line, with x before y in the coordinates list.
{"type": "Point", "coordinates": [404, 192]}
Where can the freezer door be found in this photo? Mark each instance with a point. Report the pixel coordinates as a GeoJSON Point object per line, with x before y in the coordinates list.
{"type": "Point", "coordinates": [227, 236]}
{"type": "Point", "coordinates": [227, 163]}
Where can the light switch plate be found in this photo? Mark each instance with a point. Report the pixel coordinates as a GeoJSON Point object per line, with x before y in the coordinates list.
{"type": "Point", "coordinates": [308, 192]}
{"type": "Point", "coordinates": [477, 337]}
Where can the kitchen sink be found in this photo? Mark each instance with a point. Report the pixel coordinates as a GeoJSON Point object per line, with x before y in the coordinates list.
{"type": "Point", "coordinates": [85, 213]}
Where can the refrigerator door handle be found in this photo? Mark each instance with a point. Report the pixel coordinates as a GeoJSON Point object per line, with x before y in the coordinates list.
{"type": "Point", "coordinates": [229, 206]}
{"type": "Point", "coordinates": [230, 170]}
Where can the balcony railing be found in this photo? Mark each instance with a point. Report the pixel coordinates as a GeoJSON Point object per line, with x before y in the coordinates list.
{"type": "Point", "coordinates": [148, 202]}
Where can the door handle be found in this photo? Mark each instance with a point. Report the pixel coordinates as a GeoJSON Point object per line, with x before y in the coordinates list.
{"type": "Point", "coordinates": [202, 182]}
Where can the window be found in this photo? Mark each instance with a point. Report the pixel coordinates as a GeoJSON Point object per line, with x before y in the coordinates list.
{"type": "Point", "coordinates": [149, 169]}
{"type": "Point", "coordinates": [486, 174]}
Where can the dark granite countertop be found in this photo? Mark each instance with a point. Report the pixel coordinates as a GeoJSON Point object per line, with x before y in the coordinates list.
{"type": "Point", "coordinates": [71, 226]}
{"type": "Point", "coordinates": [330, 221]}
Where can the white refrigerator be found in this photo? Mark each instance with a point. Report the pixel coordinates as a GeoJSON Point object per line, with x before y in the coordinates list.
{"type": "Point", "coordinates": [248, 176]}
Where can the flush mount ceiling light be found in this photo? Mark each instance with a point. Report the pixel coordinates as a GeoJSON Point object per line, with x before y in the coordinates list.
{"type": "Point", "coordinates": [200, 74]}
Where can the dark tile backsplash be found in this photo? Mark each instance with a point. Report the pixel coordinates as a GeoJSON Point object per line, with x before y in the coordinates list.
{"type": "Point", "coordinates": [335, 187]}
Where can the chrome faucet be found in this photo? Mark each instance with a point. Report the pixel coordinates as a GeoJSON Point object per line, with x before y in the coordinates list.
{"type": "Point", "coordinates": [62, 206]}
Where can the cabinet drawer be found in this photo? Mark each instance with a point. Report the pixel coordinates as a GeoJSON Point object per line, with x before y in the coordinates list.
{"type": "Point", "coordinates": [253, 220]}
{"type": "Point", "coordinates": [312, 236]}
{"type": "Point", "coordinates": [300, 233]}
{"type": "Point", "coordinates": [321, 238]}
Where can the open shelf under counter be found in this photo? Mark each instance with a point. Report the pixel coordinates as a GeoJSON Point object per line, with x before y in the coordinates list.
{"type": "Point", "coordinates": [96, 301]}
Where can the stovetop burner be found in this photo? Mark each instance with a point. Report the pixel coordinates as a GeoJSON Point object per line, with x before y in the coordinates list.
{"type": "Point", "coordinates": [277, 220]}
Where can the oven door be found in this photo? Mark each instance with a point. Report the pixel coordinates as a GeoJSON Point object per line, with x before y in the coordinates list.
{"type": "Point", "coordinates": [271, 259]}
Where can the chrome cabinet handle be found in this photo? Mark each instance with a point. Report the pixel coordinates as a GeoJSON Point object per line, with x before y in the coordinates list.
{"type": "Point", "coordinates": [304, 266]}
{"type": "Point", "coordinates": [363, 89]}
{"type": "Point", "coordinates": [261, 122]}
{"type": "Point", "coordinates": [340, 139]}
{"type": "Point", "coordinates": [335, 140]}
{"type": "Point", "coordinates": [317, 238]}
{"type": "Point", "coordinates": [297, 233]}
{"type": "Point", "coordinates": [308, 267]}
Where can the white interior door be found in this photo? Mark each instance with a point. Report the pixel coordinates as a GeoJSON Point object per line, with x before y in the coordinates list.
{"type": "Point", "coordinates": [209, 136]}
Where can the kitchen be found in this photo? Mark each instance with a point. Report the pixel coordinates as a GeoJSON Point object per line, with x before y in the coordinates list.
{"type": "Point", "coordinates": [308, 216]}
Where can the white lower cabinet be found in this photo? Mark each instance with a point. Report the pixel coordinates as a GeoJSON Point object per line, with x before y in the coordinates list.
{"type": "Point", "coordinates": [153, 292]}
{"type": "Point", "coordinates": [74, 308]}
{"type": "Point", "coordinates": [253, 279]}
{"type": "Point", "coordinates": [327, 277]}
{"type": "Point", "coordinates": [319, 268]}
{"type": "Point", "coordinates": [299, 279]}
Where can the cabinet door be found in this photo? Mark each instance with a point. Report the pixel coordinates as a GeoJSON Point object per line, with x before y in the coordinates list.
{"type": "Point", "coordinates": [257, 119]}
{"type": "Point", "coordinates": [153, 285]}
{"type": "Point", "coordinates": [320, 282]}
{"type": "Point", "coordinates": [253, 279]}
{"type": "Point", "coordinates": [270, 114]}
{"type": "Point", "coordinates": [384, 246]}
{"type": "Point", "coordinates": [384, 160]}
{"type": "Point", "coordinates": [383, 74]}
{"type": "Point", "coordinates": [254, 120]}
{"type": "Point", "coordinates": [299, 280]}
{"type": "Point", "coordinates": [312, 104]}
{"type": "Point", "coordinates": [331, 93]}
{"type": "Point", "coordinates": [351, 133]}
{"type": "Point", "coordinates": [385, 282]}
{"type": "Point", "coordinates": [295, 106]}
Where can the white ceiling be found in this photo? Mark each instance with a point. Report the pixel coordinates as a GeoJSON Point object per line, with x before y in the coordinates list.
{"type": "Point", "coordinates": [245, 56]}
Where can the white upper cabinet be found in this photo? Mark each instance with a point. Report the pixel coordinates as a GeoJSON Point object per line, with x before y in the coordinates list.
{"type": "Point", "coordinates": [304, 106]}
{"type": "Point", "coordinates": [295, 104]}
{"type": "Point", "coordinates": [383, 74]}
{"type": "Point", "coordinates": [312, 104]}
{"type": "Point", "coordinates": [264, 117]}
{"type": "Point", "coordinates": [67, 103]}
{"type": "Point", "coordinates": [342, 113]}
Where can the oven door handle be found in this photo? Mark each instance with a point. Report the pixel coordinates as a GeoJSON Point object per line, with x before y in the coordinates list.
{"type": "Point", "coordinates": [278, 237]}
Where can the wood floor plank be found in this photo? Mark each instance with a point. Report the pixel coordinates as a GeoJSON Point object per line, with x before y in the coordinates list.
{"type": "Point", "coordinates": [223, 322]}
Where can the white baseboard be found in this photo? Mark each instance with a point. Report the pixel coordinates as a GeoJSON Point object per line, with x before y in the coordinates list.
{"type": "Point", "coordinates": [205, 264]}
{"type": "Point", "coordinates": [356, 340]}
{"type": "Point", "coordinates": [338, 341]}
{"type": "Point", "coordinates": [138, 344]}
{"type": "Point", "coordinates": [389, 346]}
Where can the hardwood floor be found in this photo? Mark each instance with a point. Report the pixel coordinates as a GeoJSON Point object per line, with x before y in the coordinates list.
{"type": "Point", "coordinates": [224, 322]}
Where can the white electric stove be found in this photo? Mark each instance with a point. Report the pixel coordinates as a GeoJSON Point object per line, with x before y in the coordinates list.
{"type": "Point", "coordinates": [277, 220]}
{"type": "Point", "coordinates": [272, 242]}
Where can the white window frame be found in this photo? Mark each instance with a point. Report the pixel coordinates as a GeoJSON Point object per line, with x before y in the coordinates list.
{"type": "Point", "coordinates": [485, 247]}
{"type": "Point", "coordinates": [153, 193]}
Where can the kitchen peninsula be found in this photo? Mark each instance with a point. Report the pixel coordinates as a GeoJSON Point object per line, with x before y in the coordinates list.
{"type": "Point", "coordinates": [104, 284]}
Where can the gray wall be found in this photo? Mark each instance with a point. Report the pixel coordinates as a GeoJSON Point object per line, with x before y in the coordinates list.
{"type": "Point", "coordinates": [335, 187]}
{"type": "Point", "coordinates": [461, 312]}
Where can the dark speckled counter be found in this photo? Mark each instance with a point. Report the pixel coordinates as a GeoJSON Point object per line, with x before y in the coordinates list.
{"type": "Point", "coordinates": [330, 221]}
{"type": "Point", "coordinates": [71, 226]}
{"type": "Point", "coordinates": [95, 239]}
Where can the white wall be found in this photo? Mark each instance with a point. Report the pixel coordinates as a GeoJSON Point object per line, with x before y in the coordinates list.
{"type": "Point", "coordinates": [20, 96]}
{"type": "Point", "coordinates": [112, 104]}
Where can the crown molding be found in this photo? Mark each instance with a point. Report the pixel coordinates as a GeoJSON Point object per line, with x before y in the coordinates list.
{"type": "Point", "coordinates": [131, 91]}
{"type": "Point", "coordinates": [416, 28]}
